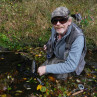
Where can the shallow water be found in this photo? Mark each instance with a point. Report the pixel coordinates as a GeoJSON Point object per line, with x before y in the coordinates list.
{"type": "Point", "coordinates": [17, 80]}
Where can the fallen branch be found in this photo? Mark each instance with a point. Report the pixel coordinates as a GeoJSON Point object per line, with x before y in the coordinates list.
{"type": "Point", "coordinates": [76, 93]}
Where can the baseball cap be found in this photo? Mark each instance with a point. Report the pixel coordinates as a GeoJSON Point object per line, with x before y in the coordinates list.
{"type": "Point", "coordinates": [60, 11]}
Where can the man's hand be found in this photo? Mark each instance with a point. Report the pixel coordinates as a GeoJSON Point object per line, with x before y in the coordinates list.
{"type": "Point", "coordinates": [42, 70]}
{"type": "Point", "coordinates": [45, 47]}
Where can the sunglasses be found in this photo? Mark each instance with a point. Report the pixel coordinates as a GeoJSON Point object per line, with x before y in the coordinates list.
{"type": "Point", "coordinates": [61, 20]}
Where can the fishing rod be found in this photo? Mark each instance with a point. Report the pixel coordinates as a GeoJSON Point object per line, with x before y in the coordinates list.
{"type": "Point", "coordinates": [34, 72]}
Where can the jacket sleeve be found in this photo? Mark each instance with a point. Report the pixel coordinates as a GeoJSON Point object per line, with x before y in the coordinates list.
{"type": "Point", "coordinates": [72, 60]}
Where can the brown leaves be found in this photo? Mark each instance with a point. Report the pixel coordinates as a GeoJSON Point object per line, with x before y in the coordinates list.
{"type": "Point", "coordinates": [51, 78]}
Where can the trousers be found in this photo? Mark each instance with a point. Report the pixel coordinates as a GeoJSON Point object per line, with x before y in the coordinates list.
{"type": "Point", "coordinates": [55, 60]}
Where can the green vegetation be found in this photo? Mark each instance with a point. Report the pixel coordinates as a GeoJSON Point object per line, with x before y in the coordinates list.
{"type": "Point", "coordinates": [26, 23]}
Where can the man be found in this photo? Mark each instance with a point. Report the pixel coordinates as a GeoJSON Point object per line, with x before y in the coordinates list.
{"type": "Point", "coordinates": [66, 47]}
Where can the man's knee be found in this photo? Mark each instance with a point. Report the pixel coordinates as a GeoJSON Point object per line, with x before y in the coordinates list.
{"type": "Point", "coordinates": [61, 76]}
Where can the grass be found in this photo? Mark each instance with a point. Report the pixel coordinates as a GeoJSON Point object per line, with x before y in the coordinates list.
{"type": "Point", "coordinates": [27, 22]}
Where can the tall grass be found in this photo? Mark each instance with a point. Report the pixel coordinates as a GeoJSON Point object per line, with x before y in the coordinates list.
{"type": "Point", "coordinates": [27, 22]}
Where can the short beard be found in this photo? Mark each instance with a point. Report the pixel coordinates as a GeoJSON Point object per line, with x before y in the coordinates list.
{"type": "Point", "coordinates": [60, 32]}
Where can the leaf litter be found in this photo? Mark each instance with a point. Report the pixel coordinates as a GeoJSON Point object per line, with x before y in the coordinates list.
{"type": "Point", "coordinates": [19, 81]}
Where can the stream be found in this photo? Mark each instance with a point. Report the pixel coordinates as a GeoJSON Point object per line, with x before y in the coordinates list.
{"type": "Point", "coordinates": [17, 79]}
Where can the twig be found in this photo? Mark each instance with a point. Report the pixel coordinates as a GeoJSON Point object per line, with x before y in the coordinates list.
{"type": "Point", "coordinates": [77, 92]}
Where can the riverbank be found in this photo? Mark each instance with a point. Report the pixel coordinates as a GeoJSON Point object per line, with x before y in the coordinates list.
{"type": "Point", "coordinates": [27, 23]}
{"type": "Point", "coordinates": [16, 79]}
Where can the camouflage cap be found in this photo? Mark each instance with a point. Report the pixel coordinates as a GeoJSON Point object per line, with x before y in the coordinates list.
{"type": "Point", "coordinates": [60, 11]}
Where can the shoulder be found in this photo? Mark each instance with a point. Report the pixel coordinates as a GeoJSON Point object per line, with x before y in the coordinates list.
{"type": "Point", "coordinates": [79, 41]}
{"type": "Point", "coordinates": [80, 38]}
{"type": "Point", "coordinates": [76, 31]}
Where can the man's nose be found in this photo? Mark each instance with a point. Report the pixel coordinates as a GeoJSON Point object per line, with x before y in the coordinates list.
{"type": "Point", "coordinates": [58, 23]}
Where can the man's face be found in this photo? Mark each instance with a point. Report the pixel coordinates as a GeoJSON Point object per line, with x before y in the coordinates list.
{"type": "Point", "coordinates": [60, 24]}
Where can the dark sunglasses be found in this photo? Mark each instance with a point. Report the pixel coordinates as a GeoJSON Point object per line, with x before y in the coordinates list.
{"type": "Point", "coordinates": [61, 20]}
